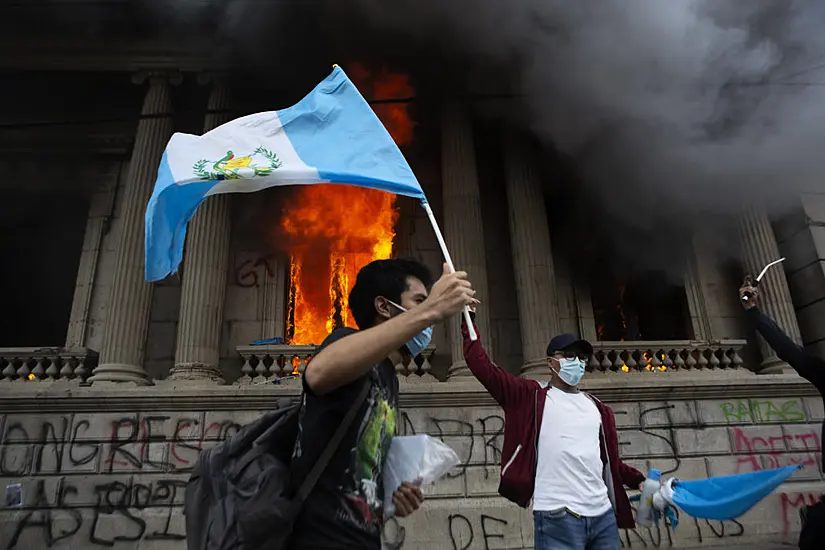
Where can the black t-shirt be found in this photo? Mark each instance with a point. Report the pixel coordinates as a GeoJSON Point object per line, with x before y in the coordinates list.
{"type": "Point", "coordinates": [345, 509]}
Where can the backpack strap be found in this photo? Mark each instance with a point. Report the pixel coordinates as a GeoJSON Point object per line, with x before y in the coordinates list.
{"type": "Point", "coordinates": [322, 462]}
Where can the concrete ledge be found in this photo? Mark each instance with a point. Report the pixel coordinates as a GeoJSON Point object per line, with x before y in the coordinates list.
{"type": "Point", "coordinates": [44, 397]}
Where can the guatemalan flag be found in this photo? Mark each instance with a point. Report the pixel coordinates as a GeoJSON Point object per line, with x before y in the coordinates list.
{"type": "Point", "coordinates": [330, 136]}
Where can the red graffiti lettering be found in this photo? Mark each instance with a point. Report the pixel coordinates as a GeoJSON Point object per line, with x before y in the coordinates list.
{"type": "Point", "coordinates": [758, 453]}
{"type": "Point", "coordinates": [792, 502]}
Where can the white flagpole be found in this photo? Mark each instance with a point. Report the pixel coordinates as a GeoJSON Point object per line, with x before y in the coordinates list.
{"type": "Point", "coordinates": [449, 260]}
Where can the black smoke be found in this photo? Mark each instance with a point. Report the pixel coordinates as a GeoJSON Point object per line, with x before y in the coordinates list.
{"type": "Point", "coordinates": [672, 113]}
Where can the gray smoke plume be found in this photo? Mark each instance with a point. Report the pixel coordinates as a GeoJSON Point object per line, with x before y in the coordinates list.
{"type": "Point", "coordinates": [686, 98]}
{"type": "Point", "coordinates": [693, 101]}
{"type": "Point", "coordinates": [673, 112]}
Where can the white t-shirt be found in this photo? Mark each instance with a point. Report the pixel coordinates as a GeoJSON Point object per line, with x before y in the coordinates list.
{"type": "Point", "coordinates": [569, 471]}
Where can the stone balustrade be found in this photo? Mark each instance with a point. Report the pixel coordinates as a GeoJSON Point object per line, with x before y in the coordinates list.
{"type": "Point", "coordinates": [21, 365]}
{"type": "Point", "coordinates": [270, 363]}
{"type": "Point", "coordinates": [666, 356]}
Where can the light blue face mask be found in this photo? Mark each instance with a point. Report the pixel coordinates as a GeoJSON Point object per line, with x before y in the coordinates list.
{"type": "Point", "coordinates": [421, 340]}
{"type": "Point", "coordinates": [571, 370]}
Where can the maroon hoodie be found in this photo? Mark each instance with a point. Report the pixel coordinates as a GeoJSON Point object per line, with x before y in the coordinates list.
{"type": "Point", "coordinates": [523, 403]}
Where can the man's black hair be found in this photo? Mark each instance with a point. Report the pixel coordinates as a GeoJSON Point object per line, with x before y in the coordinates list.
{"type": "Point", "coordinates": [387, 278]}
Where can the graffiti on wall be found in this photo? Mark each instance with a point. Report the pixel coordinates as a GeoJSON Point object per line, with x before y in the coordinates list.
{"type": "Point", "coordinates": [249, 273]}
{"type": "Point", "coordinates": [113, 480]}
{"type": "Point", "coordinates": [116, 490]}
{"type": "Point", "coordinates": [762, 411]}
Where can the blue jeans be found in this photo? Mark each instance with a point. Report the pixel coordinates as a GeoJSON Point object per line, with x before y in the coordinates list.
{"type": "Point", "coordinates": [560, 530]}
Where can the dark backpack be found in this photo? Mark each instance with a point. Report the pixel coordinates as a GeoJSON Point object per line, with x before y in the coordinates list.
{"type": "Point", "coordinates": [239, 494]}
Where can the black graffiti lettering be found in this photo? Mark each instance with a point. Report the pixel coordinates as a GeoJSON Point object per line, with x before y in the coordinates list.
{"type": "Point", "coordinates": [40, 516]}
{"type": "Point", "coordinates": [407, 427]}
{"type": "Point", "coordinates": [465, 428]}
{"type": "Point", "coordinates": [167, 490]}
{"type": "Point", "coordinates": [91, 455]}
{"type": "Point", "coordinates": [116, 445]}
{"type": "Point", "coordinates": [63, 490]}
{"type": "Point", "coordinates": [49, 437]}
{"type": "Point", "coordinates": [485, 529]}
{"type": "Point", "coordinates": [9, 451]}
{"type": "Point", "coordinates": [148, 438]}
{"type": "Point", "coordinates": [734, 528]}
{"type": "Point", "coordinates": [113, 499]}
{"type": "Point", "coordinates": [141, 497]}
{"type": "Point", "coordinates": [492, 441]}
{"type": "Point", "coordinates": [455, 534]}
{"type": "Point", "coordinates": [176, 461]}
{"type": "Point", "coordinates": [669, 441]}
{"type": "Point", "coordinates": [628, 533]}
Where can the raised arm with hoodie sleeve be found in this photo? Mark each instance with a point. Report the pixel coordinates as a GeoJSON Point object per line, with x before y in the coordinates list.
{"type": "Point", "coordinates": [809, 367]}
{"type": "Point", "coordinates": [502, 386]}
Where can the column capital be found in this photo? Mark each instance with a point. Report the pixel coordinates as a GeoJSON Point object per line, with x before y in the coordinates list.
{"type": "Point", "coordinates": [174, 78]}
{"type": "Point", "coordinates": [206, 78]}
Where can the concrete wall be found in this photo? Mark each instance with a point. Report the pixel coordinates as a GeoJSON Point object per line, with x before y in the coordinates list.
{"type": "Point", "coordinates": [96, 480]}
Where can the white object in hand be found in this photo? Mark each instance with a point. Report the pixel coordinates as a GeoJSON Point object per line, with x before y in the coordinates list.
{"type": "Point", "coordinates": [644, 515]}
{"type": "Point", "coordinates": [415, 458]}
{"type": "Point", "coordinates": [762, 274]}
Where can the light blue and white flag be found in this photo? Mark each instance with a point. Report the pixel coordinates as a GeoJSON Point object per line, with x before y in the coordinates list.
{"type": "Point", "coordinates": [721, 497]}
{"type": "Point", "coordinates": [330, 136]}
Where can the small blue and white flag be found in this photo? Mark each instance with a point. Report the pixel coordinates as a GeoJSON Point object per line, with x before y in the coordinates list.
{"type": "Point", "coordinates": [330, 136]}
{"type": "Point", "coordinates": [719, 498]}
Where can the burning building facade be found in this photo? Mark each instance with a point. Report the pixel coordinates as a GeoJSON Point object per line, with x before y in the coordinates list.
{"type": "Point", "coordinates": [136, 378]}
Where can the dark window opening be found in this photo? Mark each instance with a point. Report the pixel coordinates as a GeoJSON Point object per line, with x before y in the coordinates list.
{"type": "Point", "coordinates": [639, 306]}
{"type": "Point", "coordinates": [41, 237]}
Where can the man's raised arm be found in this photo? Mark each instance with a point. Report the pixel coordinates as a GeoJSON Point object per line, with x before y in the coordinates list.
{"type": "Point", "coordinates": [350, 358]}
{"type": "Point", "coordinates": [808, 366]}
{"type": "Point", "coordinates": [501, 385]}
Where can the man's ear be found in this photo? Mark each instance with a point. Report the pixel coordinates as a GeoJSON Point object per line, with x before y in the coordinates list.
{"type": "Point", "coordinates": [382, 307]}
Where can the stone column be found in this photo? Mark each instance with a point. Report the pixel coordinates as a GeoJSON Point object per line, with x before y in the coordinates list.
{"type": "Point", "coordinates": [204, 271]}
{"type": "Point", "coordinates": [463, 229]}
{"type": "Point", "coordinates": [130, 296]}
{"type": "Point", "coordinates": [759, 247]}
{"type": "Point", "coordinates": [532, 255]}
{"type": "Point", "coordinates": [712, 299]}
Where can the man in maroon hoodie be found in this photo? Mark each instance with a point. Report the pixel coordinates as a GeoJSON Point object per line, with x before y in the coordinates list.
{"type": "Point", "coordinates": [560, 449]}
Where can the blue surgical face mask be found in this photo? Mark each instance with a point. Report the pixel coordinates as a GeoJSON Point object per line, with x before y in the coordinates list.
{"type": "Point", "coordinates": [421, 340]}
{"type": "Point", "coordinates": [571, 370]}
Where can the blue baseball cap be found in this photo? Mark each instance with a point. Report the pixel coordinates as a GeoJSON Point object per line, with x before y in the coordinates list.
{"type": "Point", "coordinates": [565, 342]}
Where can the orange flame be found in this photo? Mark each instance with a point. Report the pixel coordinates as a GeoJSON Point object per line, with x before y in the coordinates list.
{"type": "Point", "coordinates": [332, 231]}
{"type": "Point", "coordinates": [387, 85]}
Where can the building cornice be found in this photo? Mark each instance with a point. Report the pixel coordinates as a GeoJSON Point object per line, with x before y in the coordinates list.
{"type": "Point", "coordinates": [26, 141]}
{"type": "Point", "coordinates": [44, 397]}
{"type": "Point", "coordinates": [185, 55]}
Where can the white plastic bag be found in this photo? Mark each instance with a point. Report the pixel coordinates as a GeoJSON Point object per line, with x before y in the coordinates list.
{"type": "Point", "coordinates": [415, 458]}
